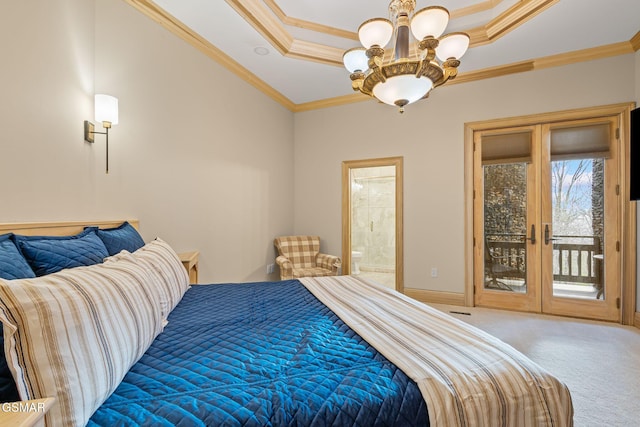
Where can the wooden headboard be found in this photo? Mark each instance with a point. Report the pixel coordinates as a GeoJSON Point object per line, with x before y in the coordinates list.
{"type": "Point", "coordinates": [64, 228]}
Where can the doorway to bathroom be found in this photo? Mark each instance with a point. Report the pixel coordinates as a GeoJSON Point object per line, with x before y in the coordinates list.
{"type": "Point", "coordinates": [372, 220]}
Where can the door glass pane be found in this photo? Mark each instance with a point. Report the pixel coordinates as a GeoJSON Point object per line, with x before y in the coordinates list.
{"type": "Point", "coordinates": [577, 188]}
{"type": "Point", "coordinates": [373, 224]}
{"type": "Point", "coordinates": [505, 227]}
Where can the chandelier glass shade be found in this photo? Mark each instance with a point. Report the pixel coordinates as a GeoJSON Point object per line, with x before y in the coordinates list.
{"type": "Point", "coordinates": [415, 65]}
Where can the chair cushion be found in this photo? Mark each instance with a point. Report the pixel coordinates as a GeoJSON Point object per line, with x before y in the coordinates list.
{"type": "Point", "coordinates": [311, 272]}
{"type": "Point", "coordinates": [301, 250]}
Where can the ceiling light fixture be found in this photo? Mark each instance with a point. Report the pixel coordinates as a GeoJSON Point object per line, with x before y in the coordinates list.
{"type": "Point", "coordinates": [410, 72]}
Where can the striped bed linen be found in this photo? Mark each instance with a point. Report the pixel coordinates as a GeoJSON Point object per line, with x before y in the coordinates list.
{"type": "Point", "coordinates": [467, 377]}
{"type": "Point", "coordinates": [74, 334]}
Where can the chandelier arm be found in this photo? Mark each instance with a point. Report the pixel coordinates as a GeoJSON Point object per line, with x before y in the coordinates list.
{"type": "Point", "coordinates": [440, 82]}
{"type": "Point", "coordinates": [451, 63]}
{"type": "Point", "coordinates": [429, 43]}
{"type": "Point", "coordinates": [450, 74]}
{"type": "Point", "coordinates": [375, 52]}
{"type": "Point", "coordinates": [430, 55]}
{"type": "Point", "coordinates": [357, 79]}
{"type": "Point", "coordinates": [377, 71]}
{"type": "Point", "coordinates": [450, 69]}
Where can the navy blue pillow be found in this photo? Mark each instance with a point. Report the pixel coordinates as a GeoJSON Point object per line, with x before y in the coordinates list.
{"type": "Point", "coordinates": [49, 254]}
{"type": "Point", "coordinates": [12, 266]}
{"type": "Point", "coordinates": [8, 389]}
{"type": "Point", "coordinates": [124, 237]}
{"type": "Point", "coordinates": [12, 263]}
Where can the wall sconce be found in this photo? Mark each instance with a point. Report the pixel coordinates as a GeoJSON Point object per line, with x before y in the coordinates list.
{"type": "Point", "coordinates": [106, 111]}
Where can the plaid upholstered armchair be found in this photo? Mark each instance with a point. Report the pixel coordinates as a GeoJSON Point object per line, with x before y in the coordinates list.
{"type": "Point", "coordinates": [299, 256]}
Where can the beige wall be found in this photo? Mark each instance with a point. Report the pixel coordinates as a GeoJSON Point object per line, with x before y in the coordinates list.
{"type": "Point", "coordinates": [46, 79]}
{"type": "Point", "coordinates": [430, 136]}
{"type": "Point", "coordinates": [201, 158]}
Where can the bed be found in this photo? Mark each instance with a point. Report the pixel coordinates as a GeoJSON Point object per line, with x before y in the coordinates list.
{"type": "Point", "coordinates": [126, 341]}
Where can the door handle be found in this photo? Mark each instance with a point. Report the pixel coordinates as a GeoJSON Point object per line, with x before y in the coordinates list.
{"type": "Point", "coordinates": [547, 237]}
{"type": "Point", "coordinates": [532, 239]}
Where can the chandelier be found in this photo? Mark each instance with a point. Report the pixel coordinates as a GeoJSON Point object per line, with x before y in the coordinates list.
{"type": "Point", "coordinates": [411, 70]}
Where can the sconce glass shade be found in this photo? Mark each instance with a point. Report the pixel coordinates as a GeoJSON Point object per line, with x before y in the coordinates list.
{"type": "Point", "coordinates": [452, 46]}
{"type": "Point", "coordinates": [430, 21]}
{"type": "Point", "coordinates": [375, 32]}
{"type": "Point", "coordinates": [355, 60]}
{"type": "Point", "coordinates": [106, 109]}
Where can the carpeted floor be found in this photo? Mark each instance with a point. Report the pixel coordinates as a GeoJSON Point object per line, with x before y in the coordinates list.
{"type": "Point", "coordinates": [599, 362]}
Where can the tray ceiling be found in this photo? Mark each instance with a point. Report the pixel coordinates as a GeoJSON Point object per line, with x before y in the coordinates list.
{"type": "Point", "coordinates": [292, 49]}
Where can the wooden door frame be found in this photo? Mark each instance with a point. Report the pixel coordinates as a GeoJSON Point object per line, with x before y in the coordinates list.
{"type": "Point", "coordinates": [628, 231]}
{"type": "Point", "coordinates": [347, 165]}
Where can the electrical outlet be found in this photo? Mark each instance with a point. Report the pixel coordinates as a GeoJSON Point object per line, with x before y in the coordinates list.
{"type": "Point", "coordinates": [270, 268]}
{"type": "Point", "coordinates": [434, 272]}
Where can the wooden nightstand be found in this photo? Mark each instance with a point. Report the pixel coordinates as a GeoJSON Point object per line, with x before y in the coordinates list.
{"type": "Point", "coordinates": [29, 413]}
{"type": "Point", "coordinates": [190, 262]}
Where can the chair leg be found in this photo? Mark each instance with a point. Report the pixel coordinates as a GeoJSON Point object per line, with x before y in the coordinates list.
{"type": "Point", "coordinates": [497, 284]}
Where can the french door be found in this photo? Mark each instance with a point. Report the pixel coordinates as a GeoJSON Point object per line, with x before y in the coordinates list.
{"type": "Point", "coordinates": [547, 218]}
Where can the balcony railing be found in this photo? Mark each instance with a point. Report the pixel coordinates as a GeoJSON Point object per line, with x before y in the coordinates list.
{"type": "Point", "coordinates": [575, 258]}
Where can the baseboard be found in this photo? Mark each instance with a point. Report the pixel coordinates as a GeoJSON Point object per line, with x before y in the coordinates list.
{"type": "Point", "coordinates": [636, 320]}
{"type": "Point", "coordinates": [440, 297]}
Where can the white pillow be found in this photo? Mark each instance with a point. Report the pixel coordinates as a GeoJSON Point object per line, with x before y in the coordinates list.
{"type": "Point", "coordinates": [166, 271]}
{"type": "Point", "coordinates": [73, 335]}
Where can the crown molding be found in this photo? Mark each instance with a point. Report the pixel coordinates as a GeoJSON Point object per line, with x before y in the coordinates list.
{"type": "Point", "coordinates": [352, 35]}
{"type": "Point", "coordinates": [492, 72]}
{"type": "Point", "coordinates": [159, 15]}
{"type": "Point", "coordinates": [635, 42]}
{"type": "Point", "coordinates": [308, 25]}
{"type": "Point", "coordinates": [475, 8]}
{"type": "Point", "coordinates": [516, 16]}
{"type": "Point", "coordinates": [316, 53]}
{"type": "Point", "coordinates": [269, 20]}
{"type": "Point", "coordinates": [513, 17]}
{"type": "Point", "coordinates": [264, 22]}
{"type": "Point", "coordinates": [590, 54]}
{"type": "Point", "coordinates": [328, 55]}
{"type": "Point", "coordinates": [331, 102]}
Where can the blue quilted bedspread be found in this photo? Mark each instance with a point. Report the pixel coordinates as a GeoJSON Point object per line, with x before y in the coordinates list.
{"type": "Point", "coordinates": [261, 354]}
